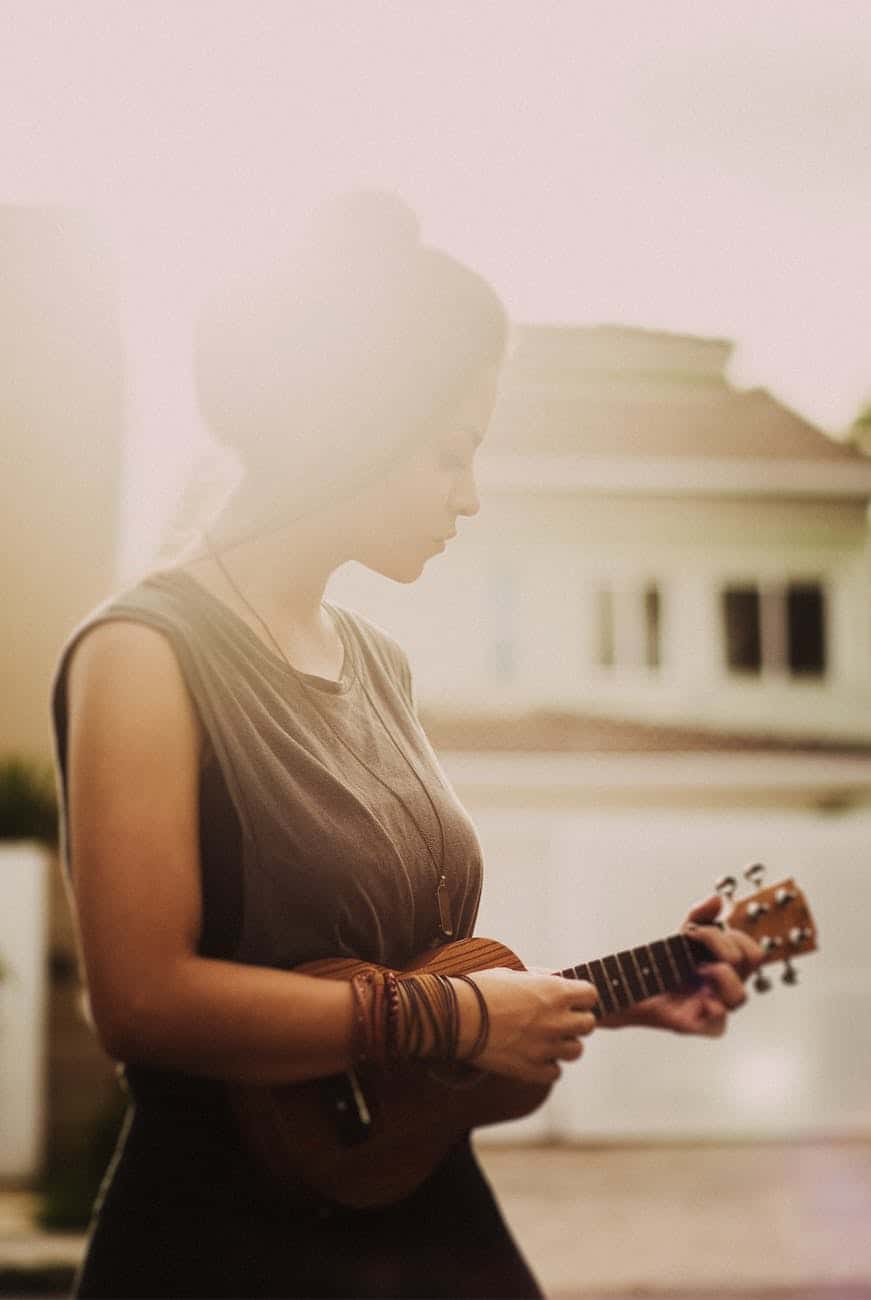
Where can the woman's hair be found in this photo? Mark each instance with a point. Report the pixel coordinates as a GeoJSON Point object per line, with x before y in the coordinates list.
{"type": "Point", "coordinates": [323, 363]}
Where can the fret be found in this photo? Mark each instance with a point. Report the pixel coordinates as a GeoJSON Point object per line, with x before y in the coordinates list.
{"type": "Point", "coordinates": [584, 973]}
{"type": "Point", "coordinates": [649, 967]}
{"type": "Point", "coordinates": [616, 983]}
{"type": "Point", "coordinates": [681, 956]}
{"type": "Point", "coordinates": [699, 951]}
{"type": "Point", "coordinates": [631, 975]}
{"type": "Point", "coordinates": [600, 979]}
{"type": "Point", "coordinates": [672, 964]}
{"type": "Point", "coordinates": [665, 965]}
{"type": "Point", "coordinates": [637, 959]}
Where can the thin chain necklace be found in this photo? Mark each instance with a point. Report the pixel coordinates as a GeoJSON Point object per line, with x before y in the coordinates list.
{"type": "Point", "coordinates": [442, 897]}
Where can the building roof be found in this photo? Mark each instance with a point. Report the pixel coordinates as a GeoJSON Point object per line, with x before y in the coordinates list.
{"type": "Point", "coordinates": [614, 392]}
{"type": "Point", "coordinates": [556, 732]}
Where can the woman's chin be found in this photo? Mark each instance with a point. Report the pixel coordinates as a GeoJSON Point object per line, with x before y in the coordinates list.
{"type": "Point", "coordinates": [405, 567]}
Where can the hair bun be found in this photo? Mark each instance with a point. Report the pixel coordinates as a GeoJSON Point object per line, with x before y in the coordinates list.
{"type": "Point", "coordinates": [365, 222]}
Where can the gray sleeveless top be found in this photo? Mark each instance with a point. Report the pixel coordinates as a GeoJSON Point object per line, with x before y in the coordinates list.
{"type": "Point", "coordinates": [334, 784]}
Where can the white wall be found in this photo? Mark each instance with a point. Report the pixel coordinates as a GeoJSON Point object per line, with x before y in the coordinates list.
{"type": "Point", "coordinates": [554, 550]}
{"type": "Point", "coordinates": [23, 903]}
{"type": "Point", "coordinates": [561, 889]}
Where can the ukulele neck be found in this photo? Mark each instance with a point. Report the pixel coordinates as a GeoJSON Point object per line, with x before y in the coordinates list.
{"type": "Point", "coordinates": [624, 978]}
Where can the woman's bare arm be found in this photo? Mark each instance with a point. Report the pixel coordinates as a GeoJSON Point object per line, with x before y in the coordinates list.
{"type": "Point", "coordinates": [133, 764]}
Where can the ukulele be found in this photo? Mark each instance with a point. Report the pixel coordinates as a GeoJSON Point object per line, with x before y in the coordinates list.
{"type": "Point", "coordinates": [369, 1137]}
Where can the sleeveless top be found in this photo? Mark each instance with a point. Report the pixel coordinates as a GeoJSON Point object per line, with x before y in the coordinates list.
{"type": "Point", "coordinates": [318, 833]}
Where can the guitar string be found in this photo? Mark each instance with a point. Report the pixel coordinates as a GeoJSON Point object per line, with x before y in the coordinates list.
{"type": "Point", "coordinates": [443, 909]}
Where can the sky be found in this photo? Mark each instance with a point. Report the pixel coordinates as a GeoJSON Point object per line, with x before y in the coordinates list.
{"type": "Point", "coordinates": [702, 167]}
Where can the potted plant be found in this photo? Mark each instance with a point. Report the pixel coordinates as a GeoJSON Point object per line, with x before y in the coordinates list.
{"type": "Point", "coordinates": [28, 816]}
{"type": "Point", "coordinates": [28, 804]}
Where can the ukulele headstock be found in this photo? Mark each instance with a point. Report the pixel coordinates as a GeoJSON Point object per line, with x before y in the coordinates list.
{"type": "Point", "coordinates": [777, 917]}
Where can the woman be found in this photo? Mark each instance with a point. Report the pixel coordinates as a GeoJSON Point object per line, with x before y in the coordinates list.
{"type": "Point", "coordinates": [247, 788]}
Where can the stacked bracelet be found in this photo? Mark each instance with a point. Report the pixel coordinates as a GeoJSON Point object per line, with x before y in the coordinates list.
{"type": "Point", "coordinates": [400, 1018]}
{"type": "Point", "coordinates": [484, 1019]}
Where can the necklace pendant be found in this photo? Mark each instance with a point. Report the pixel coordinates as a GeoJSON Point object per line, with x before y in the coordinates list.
{"type": "Point", "coordinates": [444, 903]}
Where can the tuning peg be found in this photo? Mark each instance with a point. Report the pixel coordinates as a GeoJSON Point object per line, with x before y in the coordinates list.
{"type": "Point", "coordinates": [790, 974]}
{"type": "Point", "coordinates": [798, 934]}
{"type": "Point", "coordinates": [784, 896]}
{"type": "Point", "coordinates": [770, 942]}
{"type": "Point", "coordinates": [754, 873]}
{"type": "Point", "coordinates": [757, 909]}
{"type": "Point", "coordinates": [761, 982]}
{"type": "Point", "coordinates": [726, 887]}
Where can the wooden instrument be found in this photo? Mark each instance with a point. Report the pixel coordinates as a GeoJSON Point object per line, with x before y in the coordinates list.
{"type": "Point", "coordinates": [367, 1138]}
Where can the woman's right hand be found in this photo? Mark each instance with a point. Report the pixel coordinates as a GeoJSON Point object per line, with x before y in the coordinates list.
{"type": "Point", "coordinates": [536, 1021]}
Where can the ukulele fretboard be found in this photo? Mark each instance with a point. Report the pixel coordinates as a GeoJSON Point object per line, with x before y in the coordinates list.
{"type": "Point", "coordinates": [623, 978]}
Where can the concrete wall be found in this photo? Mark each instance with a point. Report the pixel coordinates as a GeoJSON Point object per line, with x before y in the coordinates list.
{"type": "Point", "coordinates": [61, 417]}
{"type": "Point", "coordinates": [566, 887]}
{"type": "Point", "coordinates": [61, 413]}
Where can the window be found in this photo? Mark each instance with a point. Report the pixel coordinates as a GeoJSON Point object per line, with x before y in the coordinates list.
{"type": "Point", "coordinates": [605, 628]}
{"type": "Point", "coordinates": [627, 626]}
{"type": "Point", "coordinates": [743, 642]}
{"type": "Point", "coordinates": [777, 628]}
{"type": "Point", "coordinates": [651, 626]}
{"type": "Point", "coordinates": [806, 628]}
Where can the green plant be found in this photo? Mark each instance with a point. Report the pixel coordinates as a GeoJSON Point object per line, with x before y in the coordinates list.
{"type": "Point", "coordinates": [863, 419]}
{"type": "Point", "coordinates": [28, 802]}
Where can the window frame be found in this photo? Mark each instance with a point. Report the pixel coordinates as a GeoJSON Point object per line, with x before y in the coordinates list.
{"type": "Point", "coordinates": [627, 636]}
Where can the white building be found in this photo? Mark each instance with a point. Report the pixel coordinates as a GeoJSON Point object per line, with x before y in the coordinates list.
{"type": "Point", "coordinates": [647, 662]}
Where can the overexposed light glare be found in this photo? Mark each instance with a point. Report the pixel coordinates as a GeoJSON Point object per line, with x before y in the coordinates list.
{"type": "Point", "coordinates": [694, 167]}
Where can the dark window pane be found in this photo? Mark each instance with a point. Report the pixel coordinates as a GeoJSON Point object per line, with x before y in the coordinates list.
{"type": "Point", "coordinates": [605, 640]}
{"type": "Point", "coordinates": [652, 612]}
{"type": "Point", "coordinates": [741, 621]}
{"type": "Point", "coordinates": [805, 612]}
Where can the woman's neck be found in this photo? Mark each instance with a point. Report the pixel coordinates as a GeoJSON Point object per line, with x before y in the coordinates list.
{"type": "Point", "coordinates": [283, 576]}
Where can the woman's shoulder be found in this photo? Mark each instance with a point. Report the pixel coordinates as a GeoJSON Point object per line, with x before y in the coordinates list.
{"type": "Point", "coordinates": [122, 661]}
{"type": "Point", "coordinates": [146, 600]}
{"type": "Point", "coordinates": [139, 625]}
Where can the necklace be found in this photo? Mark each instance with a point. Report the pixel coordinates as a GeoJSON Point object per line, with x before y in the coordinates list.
{"type": "Point", "coordinates": [442, 897]}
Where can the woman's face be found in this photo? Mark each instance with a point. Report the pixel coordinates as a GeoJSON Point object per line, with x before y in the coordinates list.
{"type": "Point", "coordinates": [412, 513]}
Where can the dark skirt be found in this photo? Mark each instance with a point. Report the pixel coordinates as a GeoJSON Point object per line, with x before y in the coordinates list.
{"type": "Point", "coordinates": [183, 1212]}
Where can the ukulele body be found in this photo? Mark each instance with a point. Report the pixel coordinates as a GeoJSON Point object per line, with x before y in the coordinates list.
{"type": "Point", "coordinates": [370, 1138]}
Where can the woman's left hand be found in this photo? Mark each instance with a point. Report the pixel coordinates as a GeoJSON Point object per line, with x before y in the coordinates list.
{"type": "Point", "coordinates": [703, 1009]}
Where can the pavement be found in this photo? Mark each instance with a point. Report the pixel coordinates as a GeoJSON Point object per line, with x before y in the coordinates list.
{"type": "Point", "coordinates": [767, 1221]}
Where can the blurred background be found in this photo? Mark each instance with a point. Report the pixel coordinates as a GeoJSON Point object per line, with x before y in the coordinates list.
{"type": "Point", "coordinates": [647, 662]}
